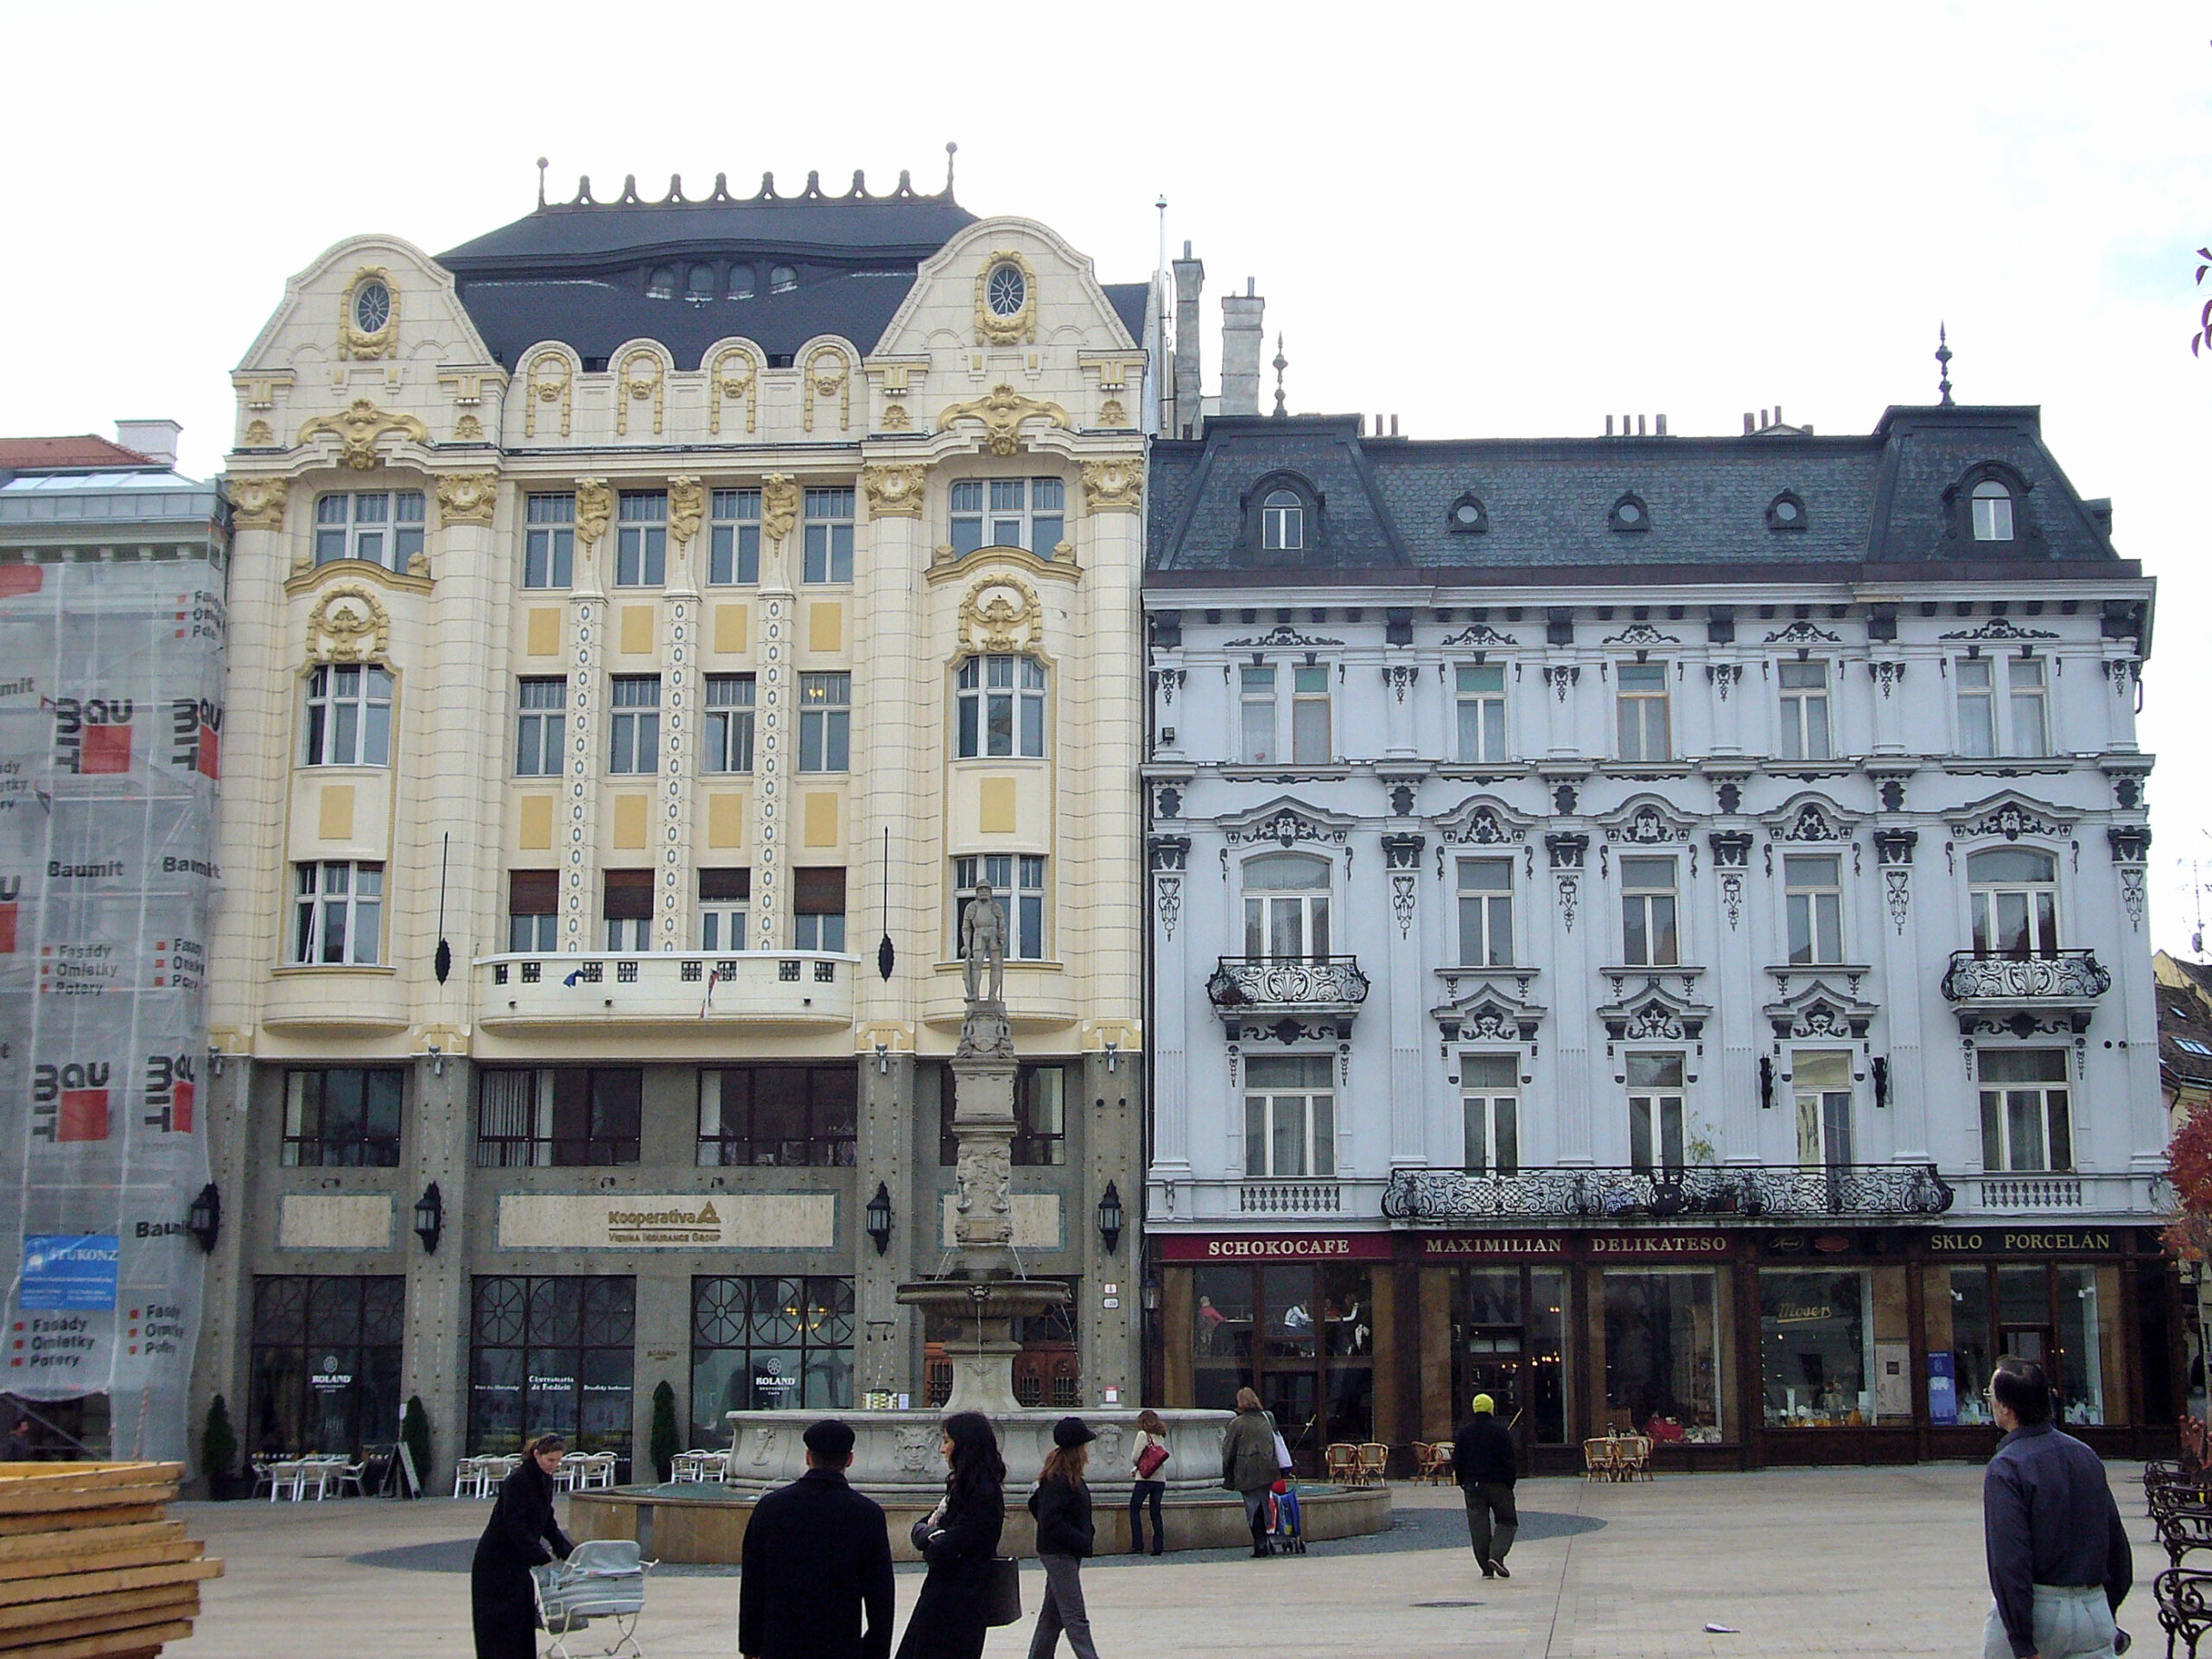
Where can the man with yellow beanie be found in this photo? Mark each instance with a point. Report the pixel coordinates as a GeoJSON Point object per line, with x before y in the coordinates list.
{"type": "Point", "coordinates": [1482, 1462]}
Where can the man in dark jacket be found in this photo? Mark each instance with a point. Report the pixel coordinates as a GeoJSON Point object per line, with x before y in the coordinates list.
{"type": "Point", "coordinates": [1482, 1462]}
{"type": "Point", "coordinates": [2059, 1561]}
{"type": "Point", "coordinates": [817, 1555]}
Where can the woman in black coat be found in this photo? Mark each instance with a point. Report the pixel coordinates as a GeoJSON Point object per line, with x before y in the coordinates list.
{"type": "Point", "coordinates": [521, 1534]}
{"type": "Point", "coordinates": [959, 1539]}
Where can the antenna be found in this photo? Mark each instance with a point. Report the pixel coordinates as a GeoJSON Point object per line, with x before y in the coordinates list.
{"type": "Point", "coordinates": [541, 180]}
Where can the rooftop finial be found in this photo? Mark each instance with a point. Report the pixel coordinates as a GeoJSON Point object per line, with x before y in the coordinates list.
{"type": "Point", "coordinates": [1281, 363]}
{"type": "Point", "coordinates": [950, 150]}
{"type": "Point", "coordinates": [541, 180]}
{"type": "Point", "coordinates": [1943, 360]}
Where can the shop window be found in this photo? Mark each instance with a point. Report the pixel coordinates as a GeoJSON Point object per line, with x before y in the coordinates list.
{"type": "Point", "coordinates": [1816, 1348]}
{"type": "Point", "coordinates": [2088, 1300]}
{"type": "Point", "coordinates": [558, 1115]}
{"type": "Point", "coordinates": [1481, 714]}
{"type": "Point", "coordinates": [1287, 908]}
{"type": "Point", "coordinates": [733, 536]}
{"type": "Point", "coordinates": [1655, 1111]}
{"type": "Point", "coordinates": [2026, 1120]}
{"type": "Point", "coordinates": [2064, 1316]}
{"type": "Point", "coordinates": [1489, 1095]}
{"type": "Point", "coordinates": [1662, 1353]}
{"type": "Point", "coordinates": [1821, 1080]}
{"type": "Point", "coordinates": [1302, 1336]}
{"type": "Point", "coordinates": [1290, 1118]}
{"type": "Point", "coordinates": [326, 1357]}
{"type": "Point", "coordinates": [765, 1343]}
{"type": "Point", "coordinates": [779, 1116]}
{"type": "Point", "coordinates": [551, 1356]}
{"type": "Point", "coordinates": [1508, 1341]}
{"type": "Point", "coordinates": [342, 1117]}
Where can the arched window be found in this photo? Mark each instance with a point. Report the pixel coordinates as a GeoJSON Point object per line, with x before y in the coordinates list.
{"type": "Point", "coordinates": [661, 285]}
{"type": "Point", "coordinates": [1282, 522]}
{"type": "Point", "coordinates": [2015, 896]}
{"type": "Point", "coordinates": [781, 279]}
{"type": "Point", "coordinates": [1992, 511]}
{"type": "Point", "coordinates": [1287, 908]}
{"type": "Point", "coordinates": [699, 286]}
{"type": "Point", "coordinates": [741, 278]}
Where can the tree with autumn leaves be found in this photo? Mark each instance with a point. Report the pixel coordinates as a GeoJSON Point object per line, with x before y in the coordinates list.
{"type": "Point", "coordinates": [2188, 1167]}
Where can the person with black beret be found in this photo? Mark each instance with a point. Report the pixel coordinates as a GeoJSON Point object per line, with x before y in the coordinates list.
{"type": "Point", "coordinates": [1062, 1506]}
{"type": "Point", "coordinates": [816, 1557]}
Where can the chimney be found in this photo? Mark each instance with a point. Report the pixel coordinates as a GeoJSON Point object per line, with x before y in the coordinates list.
{"type": "Point", "coordinates": [1241, 341]}
{"type": "Point", "coordinates": [1190, 282]}
{"type": "Point", "coordinates": [156, 440]}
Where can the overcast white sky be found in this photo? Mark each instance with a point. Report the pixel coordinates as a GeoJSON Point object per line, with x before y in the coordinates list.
{"type": "Point", "coordinates": [1489, 219]}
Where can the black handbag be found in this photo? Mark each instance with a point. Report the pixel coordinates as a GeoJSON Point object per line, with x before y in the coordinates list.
{"type": "Point", "coordinates": [1002, 1604]}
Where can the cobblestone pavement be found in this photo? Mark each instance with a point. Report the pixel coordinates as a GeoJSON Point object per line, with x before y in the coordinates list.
{"type": "Point", "coordinates": [1846, 1562]}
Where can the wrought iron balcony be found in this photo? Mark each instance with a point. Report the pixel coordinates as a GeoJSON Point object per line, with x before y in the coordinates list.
{"type": "Point", "coordinates": [1269, 988]}
{"type": "Point", "coordinates": [1833, 1193]}
{"type": "Point", "coordinates": [2057, 979]}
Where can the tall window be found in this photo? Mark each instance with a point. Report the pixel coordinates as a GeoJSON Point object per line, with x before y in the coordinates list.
{"type": "Point", "coordinates": [541, 726]}
{"type": "Point", "coordinates": [342, 1117]}
{"type": "Point", "coordinates": [818, 910]}
{"type": "Point", "coordinates": [349, 716]}
{"type": "Point", "coordinates": [1482, 713]}
{"type": "Point", "coordinates": [627, 906]}
{"type": "Point", "coordinates": [729, 723]}
{"type": "Point", "coordinates": [1804, 710]}
{"type": "Point", "coordinates": [725, 904]}
{"type": "Point", "coordinates": [1821, 1080]}
{"type": "Point", "coordinates": [1002, 707]}
{"type": "Point", "coordinates": [1489, 1095]}
{"type": "Point", "coordinates": [1290, 1118]}
{"type": "Point", "coordinates": [2014, 894]}
{"type": "Point", "coordinates": [1025, 513]}
{"type": "Point", "coordinates": [1641, 706]}
{"type": "Point", "coordinates": [1813, 891]}
{"type": "Point", "coordinates": [2026, 1120]}
{"type": "Point", "coordinates": [1282, 522]}
{"type": "Point", "coordinates": [825, 722]}
{"type": "Point", "coordinates": [1017, 880]}
{"type": "Point", "coordinates": [552, 1356]}
{"type": "Point", "coordinates": [1648, 934]}
{"type": "Point", "coordinates": [733, 532]}
{"type": "Point", "coordinates": [1655, 1111]}
{"type": "Point", "coordinates": [1992, 511]}
{"type": "Point", "coordinates": [1486, 912]}
{"type": "Point", "coordinates": [1256, 698]}
{"type": "Point", "coordinates": [1040, 1117]}
{"type": "Point", "coordinates": [768, 1344]}
{"type": "Point", "coordinates": [1309, 715]}
{"type": "Point", "coordinates": [1286, 906]}
{"type": "Point", "coordinates": [2030, 721]}
{"type": "Point", "coordinates": [558, 1115]}
{"type": "Point", "coordinates": [378, 526]}
{"type": "Point", "coordinates": [326, 1351]}
{"type": "Point", "coordinates": [829, 536]}
{"type": "Point", "coordinates": [641, 539]}
{"type": "Point", "coordinates": [634, 728]}
{"type": "Point", "coordinates": [337, 914]}
{"type": "Point", "coordinates": [1977, 707]}
{"type": "Point", "coordinates": [533, 909]}
{"type": "Point", "coordinates": [779, 1116]}
{"type": "Point", "coordinates": [548, 552]}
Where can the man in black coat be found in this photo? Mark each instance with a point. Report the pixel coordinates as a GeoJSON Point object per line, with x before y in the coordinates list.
{"type": "Point", "coordinates": [1482, 1462]}
{"type": "Point", "coordinates": [817, 1555]}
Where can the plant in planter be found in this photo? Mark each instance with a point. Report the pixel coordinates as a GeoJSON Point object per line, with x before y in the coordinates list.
{"type": "Point", "coordinates": [415, 1431]}
{"type": "Point", "coordinates": [663, 1444]}
{"type": "Point", "coordinates": [219, 1452]}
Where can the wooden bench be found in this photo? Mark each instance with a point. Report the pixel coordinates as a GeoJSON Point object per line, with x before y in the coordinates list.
{"type": "Point", "coordinates": [2185, 1596]}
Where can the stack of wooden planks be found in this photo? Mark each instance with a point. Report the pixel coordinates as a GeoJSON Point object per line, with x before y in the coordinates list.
{"type": "Point", "coordinates": [90, 1568]}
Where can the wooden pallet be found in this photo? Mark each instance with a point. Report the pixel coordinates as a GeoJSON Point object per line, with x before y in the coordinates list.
{"type": "Point", "coordinates": [91, 1567]}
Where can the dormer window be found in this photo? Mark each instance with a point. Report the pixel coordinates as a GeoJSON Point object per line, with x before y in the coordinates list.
{"type": "Point", "coordinates": [699, 286]}
{"type": "Point", "coordinates": [741, 279]}
{"type": "Point", "coordinates": [1629, 514]}
{"type": "Point", "coordinates": [661, 285]}
{"type": "Point", "coordinates": [1785, 511]}
{"type": "Point", "coordinates": [1282, 522]}
{"type": "Point", "coordinates": [781, 279]}
{"type": "Point", "coordinates": [1468, 516]}
{"type": "Point", "coordinates": [1992, 511]}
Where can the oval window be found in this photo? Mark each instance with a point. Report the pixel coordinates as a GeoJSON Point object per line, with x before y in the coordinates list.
{"type": "Point", "coordinates": [1006, 291]}
{"type": "Point", "coordinates": [371, 308]}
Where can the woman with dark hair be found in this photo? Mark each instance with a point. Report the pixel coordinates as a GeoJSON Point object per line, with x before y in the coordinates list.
{"type": "Point", "coordinates": [958, 1539]}
{"type": "Point", "coordinates": [1062, 1506]}
{"type": "Point", "coordinates": [1146, 1486]}
{"type": "Point", "coordinates": [521, 1534]}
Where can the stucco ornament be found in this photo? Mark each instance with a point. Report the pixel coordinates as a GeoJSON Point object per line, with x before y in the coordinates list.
{"type": "Point", "coordinates": [467, 498]}
{"type": "Point", "coordinates": [347, 625]}
{"type": "Point", "coordinates": [550, 380]}
{"type": "Point", "coordinates": [1001, 613]}
{"type": "Point", "coordinates": [383, 340]}
{"type": "Point", "coordinates": [687, 505]}
{"type": "Point", "coordinates": [1002, 413]}
{"type": "Point", "coordinates": [1113, 484]}
{"type": "Point", "coordinates": [257, 502]}
{"type": "Point", "coordinates": [894, 491]}
{"type": "Point", "coordinates": [359, 429]}
{"type": "Point", "coordinates": [778, 505]}
{"type": "Point", "coordinates": [594, 506]}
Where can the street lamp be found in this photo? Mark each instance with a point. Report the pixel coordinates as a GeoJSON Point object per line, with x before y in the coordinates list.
{"type": "Point", "coordinates": [430, 1218]}
{"type": "Point", "coordinates": [878, 1218]}
{"type": "Point", "coordinates": [1110, 1219]}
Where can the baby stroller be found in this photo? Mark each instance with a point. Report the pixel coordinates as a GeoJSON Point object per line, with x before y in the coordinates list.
{"type": "Point", "coordinates": [603, 1578]}
{"type": "Point", "coordinates": [1286, 1525]}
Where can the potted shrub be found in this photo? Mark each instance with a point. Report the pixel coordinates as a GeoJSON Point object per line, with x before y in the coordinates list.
{"type": "Point", "coordinates": [663, 1444]}
{"type": "Point", "coordinates": [414, 1431]}
{"type": "Point", "coordinates": [219, 1453]}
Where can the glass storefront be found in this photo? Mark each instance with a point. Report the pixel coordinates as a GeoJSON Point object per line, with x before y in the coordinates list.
{"type": "Point", "coordinates": [1662, 1352]}
{"type": "Point", "coordinates": [2064, 1317]}
{"type": "Point", "coordinates": [326, 1361]}
{"type": "Point", "coordinates": [1816, 1348]}
{"type": "Point", "coordinates": [763, 1343]}
{"type": "Point", "coordinates": [551, 1355]}
{"type": "Point", "coordinates": [1301, 1337]}
{"type": "Point", "coordinates": [1508, 1341]}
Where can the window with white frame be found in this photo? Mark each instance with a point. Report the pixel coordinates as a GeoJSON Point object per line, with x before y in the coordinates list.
{"type": "Point", "coordinates": [829, 538]}
{"type": "Point", "coordinates": [1641, 711]}
{"type": "Point", "coordinates": [1282, 522]}
{"type": "Point", "coordinates": [2013, 891]}
{"type": "Point", "coordinates": [1655, 1111]}
{"type": "Point", "coordinates": [1310, 736]}
{"type": "Point", "coordinates": [533, 909]}
{"type": "Point", "coordinates": [1481, 714]}
{"type": "Point", "coordinates": [1486, 912]}
{"type": "Point", "coordinates": [825, 722]}
{"type": "Point", "coordinates": [541, 726]}
{"type": "Point", "coordinates": [1648, 913]}
{"type": "Point", "coordinates": [818, 910]}
{"type": "Point", "coordinates": [1804, 710]}
{"type": "Point", "coordinates": [2027, 1110]}
{"type": "Point", "coordinates": [1290, 1118]}
{"type": "Point", "coordinates": [1489, 1096]}
{"type": "Point", "coordinates": [1813, 895]}
{"type": "Point", "coordinates": [548, 551]}
{"type": "Point", "coordinates": [729, 723]}
{"type": "Point", "coordinates": [2018, 723]}
{"type": "Point", "coordinates": [1256, 702]}
{"type": "Point", "coordinates": [1025, 512]}
{"type": "Point", "coordinates": [725, 902]}
{"type": "Point", "coordinates": [1977, 706]}
{"type": "Point", "coordinates": [349, 716]}
{"type": "Point", "coordinates": [1992, 511]}
{"type": "Point", "coordinates": [1001, 706]}
{"type": "Point", "coordinates": [1286, 906]}
{"type": "Point", "coordinates": [377, 526]}
{"type": "Point", "coordinates": [641, 539]}
{"type": "Point", "coordinates": [626, 906]}
{"type": "Point", "coordinates": [634, 724]}
{"type": "Point", "coordinates": [1819, 1079]}
{"type": "Point", "coordinates": [734, 537]}
{"type": "Point", "coordinates": [2027, 706]}
{"type": "Point", "coordinates": [337, 914]}
{"type": "Point", "coordinates": [1017, 881]}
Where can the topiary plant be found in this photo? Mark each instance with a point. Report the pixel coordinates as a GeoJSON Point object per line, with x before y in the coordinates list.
{"type": "Point", "coordinates": [663, 1444]}
{"type": "Point", "coordinates": [414, 1429]}
{"type": "Point", "coordinates": [218, 1442]}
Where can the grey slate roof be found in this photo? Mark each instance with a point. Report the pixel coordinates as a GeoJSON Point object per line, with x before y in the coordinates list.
{"type": "Point", "coordinates": [1384, 503]}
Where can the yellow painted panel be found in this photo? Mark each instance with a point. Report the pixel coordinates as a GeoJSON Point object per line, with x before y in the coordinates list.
{"type": "Point", "coordinates": [536, 820]}
{"type": "Point", "coordinates": [545, 631]}
{"type": "Point", "coordinates": [995, 814]}
{"type": "Point", "coordinates": [733, 627]}
{"type": "Point", "coordinates": [335, 820]}
{"type": "Point", "coordinates": [725, 820]}
{"type": "Point", "coordinates": [825, 625]}
{"type": "Point", "coordinates": [820, 818]}
{"type": "Point", "coordinates": [638, 629]}
{"type": "Point", "coordinates": [629, 820]}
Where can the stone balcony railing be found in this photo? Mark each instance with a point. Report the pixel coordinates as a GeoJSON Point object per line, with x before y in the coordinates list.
{"type": "Point", "coordinates": [1263, 989]}
{"type": "Point", "coordinates": [2058, 979]}
{"type": "Point", "coordinates": [1840, 1192]}
{"type": "Point", "coordinates": [2062, 1194]}
{"type": "Point", "coordinates": [761, 990]}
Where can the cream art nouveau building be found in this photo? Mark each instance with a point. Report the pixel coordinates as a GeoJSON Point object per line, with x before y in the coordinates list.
{"type": "Point", "coordinates": [648, 621]}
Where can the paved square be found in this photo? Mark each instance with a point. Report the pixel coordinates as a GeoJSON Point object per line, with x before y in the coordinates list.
{"type": "Point", "coordinates": [1846, 1562]}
